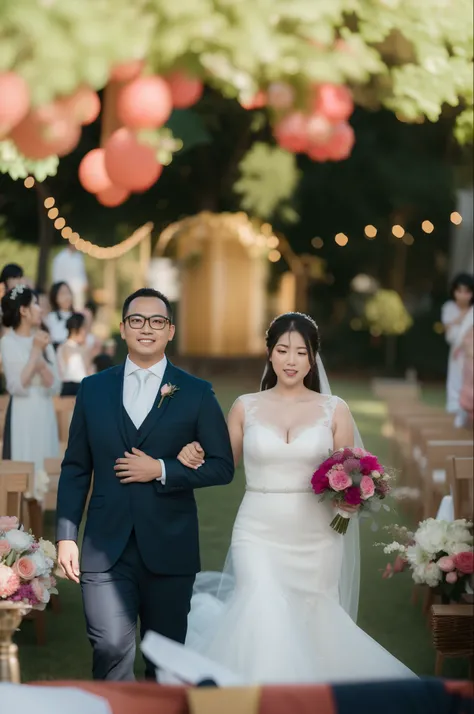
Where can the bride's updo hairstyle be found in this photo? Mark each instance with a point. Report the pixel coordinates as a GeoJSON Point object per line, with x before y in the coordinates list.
{"type": "Point", "coordinates": [16, 298]}
{"type": "Point", "coordinates": [308, 329]}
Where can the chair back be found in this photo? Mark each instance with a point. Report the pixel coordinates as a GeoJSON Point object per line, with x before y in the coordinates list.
{"type": "Point", "coordinates": [461, 473]}
{"type": "Point", "coordinates": [64, 407]}
{"type": "Point", "coordinates": [16, 479]}
{"type": "Point", "coordinates": [53, 469]}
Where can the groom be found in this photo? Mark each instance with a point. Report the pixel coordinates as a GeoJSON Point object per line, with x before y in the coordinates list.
{"type": "Point", "coordinates": [140, 552]}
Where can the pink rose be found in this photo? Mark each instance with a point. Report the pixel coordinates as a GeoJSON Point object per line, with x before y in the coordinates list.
{"type": "Point", "coordinates": [165, 390]}
{"type": "Point", "coordinates": [5, 547]}
{"type": "Point", "coordinates": [451, 577]}
{"type": "Point", "coordinates": [9, 582]}
{"type": "Point", "coordinates": [25, 568]}
{"type": "Point", "coordinates": [352, 496]}
{"type": "Point", "coordinates": [464, 562]}
{"type": "Point", "coordinates": [9, 523]}
{"type": "Point", "coordinates": [338, 479]}
{"type": "Point", "coordinates": [359, 453]}
{"type": "Point", "coordinates": [367, 488]}
{"type": "Point", "coordinates": [446, 564]}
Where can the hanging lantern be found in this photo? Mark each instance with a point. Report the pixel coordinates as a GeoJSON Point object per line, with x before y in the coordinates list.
{"type": "Point", "coordinates": [145, 103]}
{"type": "Point", "coordinates": [291, 132]}
{"type": "Point", "coordinates": [83, 105]}
{"type": "Point", "coordinates": [130, 165]}
{"type": "Point", "coordinates": [14, 101]}
{"type": "Point", "coordinates": [126, 71]}
{"type": "Point", "coordinates": [113, 196]}
{"type": "Point", "coordinates": [37, 138]}
{"type": "Point", "coordinates": [92, 172]}
{"type": "Point", "coordinates": [185, 90]}
{"type": "Point", "coordinates": [334, 101]}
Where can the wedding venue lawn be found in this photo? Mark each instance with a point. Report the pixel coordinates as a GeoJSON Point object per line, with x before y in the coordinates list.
{"type": "Point", "coordinates": [385, 612]}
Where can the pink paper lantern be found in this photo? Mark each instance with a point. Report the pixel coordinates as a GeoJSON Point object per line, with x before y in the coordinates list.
{"type": "Point", "coordinates": [258, 101]}
{"type": "Point", "coordinates": [185, 90]}
{"type": "Point", "coordinates": [126, 71]}
{"type": "Point", "coordinates": [334, 101]}
{"type": "Point", "coordinates": [113, 196]}
{"type": "Point", "coordinates": [37, 138]}
{"type": "Point", "coordinates": [130, 165]}
{"type": "Point", "coordinates": [145, 103]}
{"type": "Point", "coordinates": [280, 96]}
{"type": "Point", "coordinates": [83, 105]}
{"type": "Point", "coordinates": [291, 132]}
{"type": "Point", "coordinates": [341, 143]}
{"type": "Point", "coordinates": [92, 172]}
{"type": "Point", "coordinates": [14, 101]}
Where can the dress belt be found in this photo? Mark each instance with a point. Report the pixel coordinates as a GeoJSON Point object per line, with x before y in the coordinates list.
{"type": "Point", "coordinates": [278, 490]}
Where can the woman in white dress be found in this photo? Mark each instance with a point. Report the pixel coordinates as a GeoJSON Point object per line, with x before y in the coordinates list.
{"type": "Point", "coordinates": [60, 299]}
{"type": "Point", "coordinates": [457, 317]}
{"type": "Point", "coordinates": [32, 380]}
{"type": "Point", "coordinates": [74, 358]}
{"type": "Point", "coordinates": [284, 612]}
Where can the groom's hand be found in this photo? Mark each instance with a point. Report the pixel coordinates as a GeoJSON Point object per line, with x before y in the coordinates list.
{"type": "Point", "coordinates": [137, 467]}
{"type": "Point", "coordinates": [68, 559]}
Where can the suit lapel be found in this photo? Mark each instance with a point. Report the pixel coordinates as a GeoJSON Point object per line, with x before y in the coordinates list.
{"type": "Point", "coordinates": [156, 414]}
{"type": "Point", "coordinates": [117, 401]}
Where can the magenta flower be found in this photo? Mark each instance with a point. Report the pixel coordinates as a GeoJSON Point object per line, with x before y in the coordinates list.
{"type": "Point", "coordinates": [352, 496]}
{"type": "Point", "coordinates": [351, 465]}
{"type": "Point", "coordinates": [320, 483]}
{"type": "Point", "coordinates": [369, 463]}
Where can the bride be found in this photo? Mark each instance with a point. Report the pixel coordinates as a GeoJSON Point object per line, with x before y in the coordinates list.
{"type": "Point", "coordinates": [284, 609]}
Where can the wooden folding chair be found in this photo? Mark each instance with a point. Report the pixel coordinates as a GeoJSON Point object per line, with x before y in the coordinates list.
{"type": "Point", "coordinates": [64, 407]}
{"type": "Point", "coordinates": [453, 634]}
{"type": "Point", "coordinates": [53, 469]}
{"type": "Point", "coordinates": [435, 478]}
{"type": "Point", "coordinates": [4, 401]}
{"type": "Point", "coordinates": [460, 478]}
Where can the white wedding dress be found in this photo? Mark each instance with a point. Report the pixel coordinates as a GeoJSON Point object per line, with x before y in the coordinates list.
{"type": "Point", "coordinates": [278, 617]}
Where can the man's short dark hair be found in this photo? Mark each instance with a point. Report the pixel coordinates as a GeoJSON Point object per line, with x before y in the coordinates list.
{"type": "Point", "coordinates": [147, 293]}
{"type": "Point", "coordinates": [12, 270]}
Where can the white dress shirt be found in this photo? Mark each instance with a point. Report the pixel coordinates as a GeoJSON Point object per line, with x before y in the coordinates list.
{"type": "Point", "coordinates": [140, 388]}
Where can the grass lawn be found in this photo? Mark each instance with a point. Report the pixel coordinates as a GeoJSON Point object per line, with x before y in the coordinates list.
{"type": "Point", "coordinates": [385, 610]}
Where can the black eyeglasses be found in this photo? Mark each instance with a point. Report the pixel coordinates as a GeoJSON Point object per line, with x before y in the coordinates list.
{"type": "Point", "coordinates": [156, 322]}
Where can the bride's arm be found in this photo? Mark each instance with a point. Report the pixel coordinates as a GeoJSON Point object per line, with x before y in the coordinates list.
{"type": "Point", "coordinates": [193, 456]}
{"type": "Point", "coordinates": [235, 424]}
{"type": "Point", "coordinates": [343, 426]}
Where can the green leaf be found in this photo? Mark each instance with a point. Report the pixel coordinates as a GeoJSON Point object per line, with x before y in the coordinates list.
{"type": "Point", "coordinates": [188, 126]}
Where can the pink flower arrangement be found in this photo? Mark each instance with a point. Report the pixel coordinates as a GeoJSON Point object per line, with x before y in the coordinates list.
{"type": "Point", "coordinates": [26, 566]}
{"type": "Point", "coordinates": [350, 477]}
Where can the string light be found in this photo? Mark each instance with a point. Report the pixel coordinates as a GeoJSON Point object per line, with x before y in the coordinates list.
{"type": "Point", "coordinates": [427, 227]}
{"type": "Point", "coordinates": [29, 182]}
{"type": "Point", "coordinates": [49, 202]}
{"type": "Point", "coordinates": [456, 218]}
{"type": "Point", "coordinates": [53, 213]}
{"type": "Point", "coordinates": [66, 232]}
{"type": "Point", "coordinates": [341, 239]}
{"type": "Point", "coordinates": [59, 223]}
{"type": "Point", "coordinates": [272, 242]}
{"type": "Point", "coordinates": [398, 231]}
{"type": "Point", "coordinates": [370, 232]}
{"type": "Point", "coordinates": [274, 256]}
{"type": "Point", "coordinates": [317, 243]}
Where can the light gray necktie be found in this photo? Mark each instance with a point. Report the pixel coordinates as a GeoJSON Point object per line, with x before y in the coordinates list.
{"type": "Point", "coordinates": [138, 409]}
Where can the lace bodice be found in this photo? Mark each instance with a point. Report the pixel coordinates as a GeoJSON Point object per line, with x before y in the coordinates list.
{"type": "Point", "coordinates": [279, 458]}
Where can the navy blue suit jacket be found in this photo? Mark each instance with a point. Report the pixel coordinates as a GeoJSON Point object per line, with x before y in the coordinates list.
{"type": "Point", "coordinates": [164, 517]}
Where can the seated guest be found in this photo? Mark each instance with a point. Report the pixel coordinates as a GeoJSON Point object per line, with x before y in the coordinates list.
{"type": "Point", "coordinates": [60, 299]}
{"type": "Point", "coordinates": [73, 356]}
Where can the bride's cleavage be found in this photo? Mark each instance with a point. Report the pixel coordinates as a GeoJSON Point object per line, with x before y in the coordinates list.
{"type": "Point", "coordinates": [291, 433]}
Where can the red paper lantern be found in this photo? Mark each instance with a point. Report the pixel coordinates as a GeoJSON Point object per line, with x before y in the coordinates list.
{"type": "Point", "coordinates": [92, 172]}
{"type": "Point", "coordinates": [145, 103]}
{"type": "Point", "coordinates": [319, 129]}
{"type": "Point", "coordinates": [318, 152]}
{"type": "Point", "coordinates": [126, 71]}
{"type": "Point", "coordinates": [334, 101]}
{"type": "Point", "coordinates": [185, 90]}
{"type": "Point", "coordinates": [291, 132]}
{"type": "Point", "coordinates": [37, 138]}
{"type": "Point", "coordinates": [83, 105]}
{"type": "Point", "coordinates": [340, 144]}
{"type": "Point", "coordinates": [280, 96]}
{"type": "Point", "coordinates": [14, 101]}
{"type": "Point", "coordinates": [258, 101]}
{"type": "Point", "coordinates": [113, 196]}
{"type": "Point", "coordinates": [130, 165]}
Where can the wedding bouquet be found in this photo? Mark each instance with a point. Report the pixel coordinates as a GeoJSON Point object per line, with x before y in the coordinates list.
{"type": "Point", "coordinates": [439, 554]}
{"type": "Point", "coordinates": [352, 477]}
{"type": "Point", "coordinates": [25, 566]}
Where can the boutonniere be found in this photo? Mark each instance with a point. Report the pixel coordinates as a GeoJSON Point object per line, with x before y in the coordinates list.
{"type": "Point", "coordinates": [167, 390]}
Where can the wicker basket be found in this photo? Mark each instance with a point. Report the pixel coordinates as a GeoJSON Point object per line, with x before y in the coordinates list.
{"type": "Point", "coordinates": [453, 632]}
